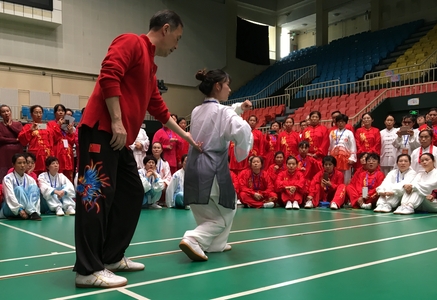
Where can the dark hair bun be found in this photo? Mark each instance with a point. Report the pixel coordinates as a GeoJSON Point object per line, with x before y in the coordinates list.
{"type": "Point", "coordinates": [201, 75]}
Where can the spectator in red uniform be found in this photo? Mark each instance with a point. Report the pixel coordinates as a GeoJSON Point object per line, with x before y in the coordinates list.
{"type": "Point", "coordinates": [317, 136]}
{"type": "Point", "coordinates": [368, 138]}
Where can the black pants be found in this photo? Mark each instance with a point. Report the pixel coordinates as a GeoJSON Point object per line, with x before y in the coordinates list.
{"type": "Point", "coordinates": [108, 201]}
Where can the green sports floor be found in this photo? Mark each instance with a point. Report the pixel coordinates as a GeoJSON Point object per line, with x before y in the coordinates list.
{"type": "Point", "coordinates": [276, 254]}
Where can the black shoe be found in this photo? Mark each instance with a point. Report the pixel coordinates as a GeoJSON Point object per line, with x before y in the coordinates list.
{"type": "Point", "coordinates": [35, 217]}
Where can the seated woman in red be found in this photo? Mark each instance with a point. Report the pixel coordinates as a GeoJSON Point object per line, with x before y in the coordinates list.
{"type": "Point", "coordinates": [277, 167]}
{"type": "Point", "coordinates": [290, 185]}
{"type": "Point", "coordinates": [324, 185]}
{"type": "Point", "coordinates": [362, 189]}
{"type": "Point", "coordinates": [256, 187]}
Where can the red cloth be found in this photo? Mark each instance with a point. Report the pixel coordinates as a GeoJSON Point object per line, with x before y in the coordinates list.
{"type": "Point", "coordinates": [273, 173]}
{"type": "Point", "coordinates": [287, 178]}
{"type": "Point", "coordinates": [434, 137]}
{"type": "Point", "coordinates": [288, 142]}
{"type": "Point", "coordinates": [236, 184]}
{"type": "Point", "coordinates": [309, 166]}
{"type": "Point", "coordinates": [182, 149]}
{"type": "Point", "coordinates": [9, 145]}
{"type": "Point", "coordinates": [318, 192]}
{"type": "Point", "coordinates": [359, 180]}
{"type": "Point", "coordinates": [250, 183]}
{"type": "Point", "coordinates": [64, 155]}
{"type": "Point", "coordinates": [258, 143]}
{"type": "Point", "coordinates": [163, 136]}
{"type": "Point", "coordinates": [368, 140]}
{"type": "Point", "coordinates": [271, 147]}
{"type": "Point", "coordinates": [128, 72]}
{"type": "Point", "coordinates": [318, 137]}
{"type": "Point", "coordinates": [40, 143]}
{"type": "Point", "coordinates": [234, 165]}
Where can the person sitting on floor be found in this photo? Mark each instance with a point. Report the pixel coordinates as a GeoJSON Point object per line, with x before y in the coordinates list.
{"type": "Point", "coordinates": [325, 184]}
{"type": "Point", "coordinates": [290, 185]}
{"type": "Point", "coordinates": [391, 189]}
{"type": "Point", "coordinates": [20, 192]}
{"type": "Point", "coordinates": [256, 187]}
{"type": "Point", "coordinates": [152, 183]}
{"type": "Point", "coordinates": [174, 195]}
{"type": "Point", "coordinates": [57, 191]}
{"type": "Point", "coordinates": [418, 194]}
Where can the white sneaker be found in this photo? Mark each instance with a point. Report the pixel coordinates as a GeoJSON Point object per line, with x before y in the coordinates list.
{"type": "Point", "coordinates": [239, 202]}
{"type": "Point", "coordinates": [227, 248]}
{"type": "Point", "coordinates": [399, 210]}
{"type": "Point", "coordinates": [288, 205]}
{"type": "Point", "coordinates": [125, 265]}
{"type": "Point", "coordinates": [333, 206]}
{"type": "Point", "coordinates": [155, 206]}
{"type": "Point", "coordinates": [309, 204]}
{"type": "Point", "coordinates": [269, 205]}
{"type": "Point", "coordinates": [296, 205]}
{"type": "Point", "coordinates": [407, 210]}
{"type": "Point", "coordinates": [100, 279]}
{"type": "Point", "coordinates": [366, 206]}
{"type": "Point", "coordinates": [59, 211]}
{"type": "Point", "coordinates": [187, 207]}
{"type": "Point", "coordinates": [192, 250]}
{"type": "Point", "coordinates": [379, 208]}
{"type": "Point", "coordinates": [70, 211]}
{"type": "Point", "coordinates": [386, 208]}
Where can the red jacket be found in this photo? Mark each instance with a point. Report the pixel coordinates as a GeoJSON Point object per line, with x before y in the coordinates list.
{"type": "Point", "coordinates": [318, 138]}
{"type": "Point", "coordinates": [368, 140]}
{"type": "Point", "coordinates": [128, 71]}
{"type": "Point", "coordinates": [336, 178]}
{"type": "Point", "coordinates": [285, 178]}
{"type": "Point", "coordinates": [250, 183]}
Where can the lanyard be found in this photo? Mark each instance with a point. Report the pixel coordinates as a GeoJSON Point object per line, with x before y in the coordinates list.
{"type": "Point", "coordinates": [255, 186]}
{"type": "Point", "coordinates": [338, 139]}
{"type": "Point", "coordinates": [367, 180]}
{"type": "Point", "coordinates": [169, 135]}
{"type": "Point", "coordinates": [210, 101]}
{"type": "Point", "coordinates": [304, 163]}
{"type": "Point", "coordinates": [421, 150]}
{"type": "Point", "coordinates": [56, 179]}
{"type": "Point", "coordinates": [406, 140]}
{"type": "Point", "coordinates": [159, 166]}
{"type": "Point", "coordinates": [273, 137]}
{"type": "Point", "coordinates": [18, 183]}
{"type": "Point", "coordinates": [397, 177]}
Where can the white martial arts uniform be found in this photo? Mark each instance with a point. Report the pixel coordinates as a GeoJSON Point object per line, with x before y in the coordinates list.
{"type": "Point", "coordinates": [423, 185]}
{"type": "Point", "coordinates": [163, 169]}
{"type": "Point", "coordinates": [208, 185]}
{"type": "Point", "coordinates": [174, 195]}
{"type": "Point", "coordinates": [343, 138]}
{"type": "Point", "coordinates": [407, 142]}
{"type": "Point", "coordinates": [394, 182]}
{"type": "Point", "coordinates": [388, 151]}
{"type": "Point", "coordinates": [152, 187]}
{"type": "Point", "coordinates": [20, 192]}
{"type": "Point", "coordinates": [139, 154]}
{"type": "Point", "coordinates": [48, 184]}
{"type": "Point", "coordinates": [415, 156]}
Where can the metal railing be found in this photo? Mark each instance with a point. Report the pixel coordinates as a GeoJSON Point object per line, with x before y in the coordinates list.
{"type": "Point", "coordinates": [429, 62]}
{"type": "Point", "coordinates": [272, 101]}
{"type": "Point", "coordinates": [293, 91]}
{"type": "Point", "coordinates": [389, 81]}
{"type": "Point", "coordinates": [286, 78]}
{"type": "Point", "coordinates": [389, 93]}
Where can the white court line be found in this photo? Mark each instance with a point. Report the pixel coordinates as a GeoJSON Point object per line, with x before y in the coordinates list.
{"type": "Point", "coordinates": [320, 275]}
{"type": "Point", "coordinates": [250, 264]}
{"type": "Point", "coordinates": [132, 294]}
{"type": "Point", "coordinates": [259, 229]}
{"type": "Point", "coordinates": [39, 236]}
{"type": "Point", "coordinates": [235, 243]}
{"type": "Point", "coordinates": [36, 256]}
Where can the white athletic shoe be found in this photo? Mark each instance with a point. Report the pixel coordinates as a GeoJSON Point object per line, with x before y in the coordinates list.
{"type": "Point", "coordinates": [70, 211]}
{"type": "Point", "coordinates": [333, 206]}
{"type": "Point", "coordinates": [155, 206]}
{"type": "Point", "coordinates": [406, 210]}
{"type": "Point", "coordinates": [379, 208]}
{"type": "Point", "coordinates": [296, 205]}
{"type": "Point", "coordinates": [288, 205]}
{"type": "Point", "coordinates": [239, 202]}
{"type": "Point", "coordinates": [386, 208]}
{"type": "Point", "coordinates": [192, 250]}
{"type": "Point", "coordinates": [399, 210]}
{"type": "Point", "coordinates": [309, 204]}
{"type": "Point", "coordinates": [227, 248]}
{"type": "Point", "coordinates": [125, 265]}
{"type": "Point", "coordinates": [366, 206]}
{"type": "Point", "coordinates": [59, 211]}
{"type": "Point", "coordinates": [269, 205]}
{"type": "Point", "coordinates": [187, 207]}
{"type": "Point", "coordinates": [100, 279]}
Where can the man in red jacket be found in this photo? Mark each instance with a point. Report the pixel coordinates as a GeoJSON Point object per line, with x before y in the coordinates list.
{"type": "Point", "coordinates": [109, 191]}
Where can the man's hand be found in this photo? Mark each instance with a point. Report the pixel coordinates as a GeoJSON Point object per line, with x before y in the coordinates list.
{"type": "Point", "coordinates": [119, 135]}
{"type": "Point", "coordinates": [138, 146]}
